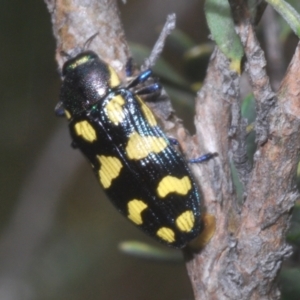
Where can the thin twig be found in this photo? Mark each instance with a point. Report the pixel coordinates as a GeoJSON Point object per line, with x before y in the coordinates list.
{"type": "Point", "coordinates": [159, 45]}
{"type": "Point", "coordinates": [256, 69]}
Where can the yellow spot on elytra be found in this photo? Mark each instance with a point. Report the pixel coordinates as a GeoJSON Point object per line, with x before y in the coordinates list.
{"type": "Point", "coordinates": [114, 109]}
{"type": "Point", "coordinates": [171, 184]}
{"type": "Point", "coordinates": [185, 222]}
{"type": "Point", "coordinates": [166, 234]}
{"type": "Point", "coordinates": [68, 115]}
{"type": "Point", "coordinates": [135, 208]}
{"type": "Point", "coordinates": [209, 229]}
{"type": "Point", "coordinates": [86, 131]}
{"type": "Point", "coordinates": [110, 168]}
{"type": "Point", "coordinates": [139, 147]}
{"type": "Point", "coordinates": [147, 113]}
{"type": "Point", "coordinates": [114, 79]}
{"type": "Point", "coordinates": [79, 62]}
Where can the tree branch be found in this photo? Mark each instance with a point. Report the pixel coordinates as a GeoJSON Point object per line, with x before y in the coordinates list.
{"type": "Point", "coordinates": [244, 257]}
{"type": "Point", "coordinates": [75, 21]}
{"type": "Point", "coordinates": [213, 124]}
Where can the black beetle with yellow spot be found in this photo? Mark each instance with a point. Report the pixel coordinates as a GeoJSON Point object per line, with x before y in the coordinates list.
{"type": "Point", "coordinates": [146, 179]}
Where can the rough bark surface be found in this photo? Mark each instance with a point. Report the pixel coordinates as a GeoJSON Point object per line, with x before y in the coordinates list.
{"type": "Point", "coordinates": [243, 258]}
{"type": "Point", "coordinates": [75, 21]}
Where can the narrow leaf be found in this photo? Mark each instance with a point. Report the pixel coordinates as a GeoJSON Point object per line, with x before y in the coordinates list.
{"type": "Point", "coordinates": [145, 251]}
{"type": "Point", "coordinates": [288, 13]}
{"type": "Point", "coordinates": [220, 23]}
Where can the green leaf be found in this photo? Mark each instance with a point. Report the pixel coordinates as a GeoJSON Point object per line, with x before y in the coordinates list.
{"type": "Point", "coordinates": [290, 15]}
{"type": "Point", "coordinates": [146, 251]}
{"type": "Point", "coordinates": [180, 39]}
{"type": "Point", "coordinates": [183, 99]}
{"type": "Point", "coordinates": [293, 235]}
{"type": "Point", "coordinates": [220, 23]}
{"type": "Point", "coordinates": [199, 51]}
{"type": "Point", "coordinates": [162, 68]}
{"type": "Point", "coordinates": [248, 108]}
{"type": "Point", "coordinates": [290, 288]}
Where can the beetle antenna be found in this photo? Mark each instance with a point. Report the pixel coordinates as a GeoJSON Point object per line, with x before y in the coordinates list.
{"type": "Point", "coordinates": [89, 40]}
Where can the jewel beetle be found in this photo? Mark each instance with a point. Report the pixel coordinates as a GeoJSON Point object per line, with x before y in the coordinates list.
{"type": "Point", "coordinates": [137, 165]}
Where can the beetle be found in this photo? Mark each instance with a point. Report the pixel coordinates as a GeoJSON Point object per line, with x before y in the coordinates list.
{"type": "Point", "coordinates": [137, 165]}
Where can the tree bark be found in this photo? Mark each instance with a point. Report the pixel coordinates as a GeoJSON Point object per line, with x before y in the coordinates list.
{"type": "Point", "coordinates": [244, 257]}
